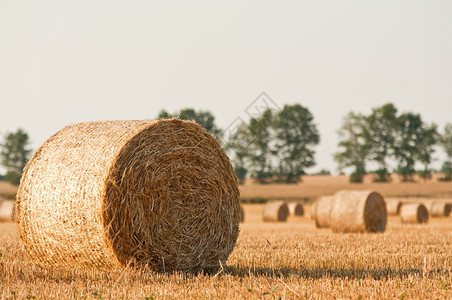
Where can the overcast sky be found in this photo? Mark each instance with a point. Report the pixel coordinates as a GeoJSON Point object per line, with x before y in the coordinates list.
{"type": "Point", "coordinates": [65, 62]}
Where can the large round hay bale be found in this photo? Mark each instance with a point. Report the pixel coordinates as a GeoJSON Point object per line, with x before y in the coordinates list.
{"type": "Point", "coordinates": [358, 211]}
{"type": "Point", "coordinates": [6, 210]}
{"type": "Point", "coordinates": [414, 213]}
{"type": "Point", "coordinates": [115, 193]}
{"type": "Point", "coordinates": [322, 211]}
{"type": "Point", "coordinates": [296, 209]}
{"type": "Point", "coordinates": [277, 211]}
{"type": "Point", "coordinates": [440, 209]}
{"type": "Point", "coordinates": [393, 207]}
{"type": "Point", "coordinates": [242, 214]}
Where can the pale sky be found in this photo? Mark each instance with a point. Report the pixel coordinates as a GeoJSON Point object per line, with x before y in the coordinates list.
{"type": "Point", "coordinates": [63, 62]}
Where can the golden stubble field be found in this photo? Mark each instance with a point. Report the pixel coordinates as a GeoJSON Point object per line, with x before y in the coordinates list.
{"type": "Point", "coordinates": [280, 261]}
{"type": "Point", "coordinates": [291, 260]}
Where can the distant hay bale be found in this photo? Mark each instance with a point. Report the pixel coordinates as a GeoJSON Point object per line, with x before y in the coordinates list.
{"type": "Point", "coordinates": [358, 211]}
{"type": "Point", "coordinates": [277, 211]}
{"type": "Point", "coordinates": [393, 207]}
{"type": "Point", "coordinates": [428, 203]}
{"type": "Point", "coordinates": [116, 193]}
{"type": "Point", "coordinates": [295, 209]}
{"type": "Point", "coordinates": [322, 211]}
{"type": "Point", "coordinates": [440, 209]}
{"type": "Point", "coordinates": [7, 210]}
{"type": "Point", "coordinates": [414, 213]}
{"type": "Point", "coordinates": [242, 214]}
{"type": "Point", "coordinates": [313, 210]}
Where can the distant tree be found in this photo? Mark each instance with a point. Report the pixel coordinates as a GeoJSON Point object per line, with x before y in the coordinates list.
{"type": "Point", "coordinates": [295, 135]}
{"type": "Point", "coordinates": [381, 134]}
{"type": "Point", "coordinates": [410, 136]}
{"type": "Point", "coordinates": [239, 142]}
{"type": "Point", "coordinates": [322, 172]}
{"type": "Point", "coordinates": [426, 147]}
{"type": "Point", "coordinates": [203, 118]}
{"type": "Point", "coordinates": [355, 149]}
{"type": "Point", "coordinates": [14, 154]}
{"type": "Point", "coordinates": [260, 146]}
{"type": "Point", "coordinates": [446, 143]}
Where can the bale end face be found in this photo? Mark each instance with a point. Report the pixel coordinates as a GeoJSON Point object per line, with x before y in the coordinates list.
{"type": "Point", "coordinates": [296, 209]}
{"type": "Point", "coordinates": [422, 214]}
{"type": "Point", "coordinates": [375, 214]}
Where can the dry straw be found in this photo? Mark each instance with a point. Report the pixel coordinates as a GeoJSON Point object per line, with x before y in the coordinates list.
{"type": "Point", "coordinates": [116, 193]}
{"type": "Point", "coordinates": [358, 211]}
{"type": "Point", "coordinates": [393, 207]}
{"type": "Point", "coordinates": [313, 209]}
{"type": "Point", "coordinates": [322, 210]}
{"type": "Point", "coordinates": [6, 210]}
{"type": "Point", "coordinates": [414, 213]}
{"type": "Point", "coordinates": [296, 209]}
{"type": "Point", "coordinates": [277, 211]}
{"type": "Point", "coordinates": [440, 209]}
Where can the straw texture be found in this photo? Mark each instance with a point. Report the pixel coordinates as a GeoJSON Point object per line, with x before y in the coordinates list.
{"type": "Point", "coordinates": [116, 193]}
{"type": "Point", "coordinates": [440, 209]}
{"type": "Point", "coordinates": [312, 210]}
{"type": "Point", "coordinates": [414, 213]}
{"type": "Point", "coordinates": [322, 211]}
{"type": "Point", "coordinates": [242, 214]}
{"type": "Point", "coordinates": [296, 209]}
{"type": "Point", "coordinates": [277, 211]}
{"type": "Point", "coordinates": [358, 211]}
{"type": "Point", "coordinates": [393, 207]}
{"type": "Point", "coordinates": [6, 210]}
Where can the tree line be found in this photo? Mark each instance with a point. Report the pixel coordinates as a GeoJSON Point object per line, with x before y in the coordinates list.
{"type": "Point", "coordinates": [385, 136]}
{"type": "Point", "coordinates": [279, 145]}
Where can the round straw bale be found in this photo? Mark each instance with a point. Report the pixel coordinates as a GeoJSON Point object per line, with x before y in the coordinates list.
{"type": "Point", "coordinates": [129, 193]}
{"type": "Point", "coordinates": [358, 211]}
{"type": "Point", "coordinates": [440, 209]}
{"type": "Point", "coordinates": [6, 210]}
{"type": "Point", "coordinates": [322, 211]}
{"type": "Point", "coordinates": [313, 210]}
{"type": "Point", "coordinates": [242, 214]}
{"type": "Point", "coordinates": [277, 211]}
{"type": "Point", "coordinates": [296, 209]}
{"type": "Point", "coordinates": [413, 213]}
{"type": "Point", "coordinates": [428, 203]}
{"type": "Point", "coordinates": [393, 207]}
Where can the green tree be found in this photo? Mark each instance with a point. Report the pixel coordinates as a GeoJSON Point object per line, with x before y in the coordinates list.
{"type": "Point", "coordinates": [260, 146]}
{"type": "Point", "coordinates": [409, 138]}
{"type": "Point", "coordinates": [295, 135]}
{"type": "Point", "coordinates": [355, 149]}
{"type": "Point", "coordinates": [381, 134]}
{"type": "Point", "coordinates": [14, 154]}
{"type": "Point", "coordinates": [238, 142]}
{"type": "Point", "coordinates": [426, 147]}
{"type": "Point", "coordinates": [203, 118]}
{"type": "Point", "coordinates": [446, 143]}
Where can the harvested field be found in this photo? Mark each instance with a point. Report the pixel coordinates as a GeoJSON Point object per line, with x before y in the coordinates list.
{"type": "Point", "coordinates": [316, 186]}
{"type": "Point", "coordinates": [289, 260]}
